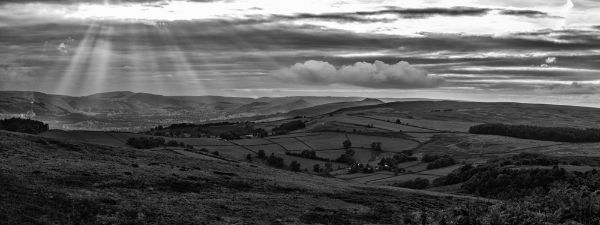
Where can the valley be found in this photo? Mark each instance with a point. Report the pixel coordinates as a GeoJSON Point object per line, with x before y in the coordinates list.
{"type": "Point", "coordinates": [404, 160]}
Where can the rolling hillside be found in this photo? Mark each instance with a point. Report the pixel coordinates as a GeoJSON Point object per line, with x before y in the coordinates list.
{"type": "Point", "coordinates": [43, 180]}
{"type": "Point", "coordinates": [138, 111]}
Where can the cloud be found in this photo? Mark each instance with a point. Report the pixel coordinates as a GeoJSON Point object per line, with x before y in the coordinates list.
{"type": "Point", "coordinates": [374, 75]}
{"type": "Point", "coordinates": [574, 88]}
{"type": "Point", "coordinates": [526, 13]}
{"type": "Point", "coordinates": [16, 77]}
{"type": "Point", "coordinates": [551, 60]}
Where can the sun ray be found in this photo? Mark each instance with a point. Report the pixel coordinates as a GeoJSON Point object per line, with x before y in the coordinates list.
{"type": "Point", "coordinates": [100, 60]}
{"type": "Point", "coordinates": [156, 70]}
{"type": "Point", "coordinates": [135, 59]}
{"type": "Point", "coordinates": [68, 82]}
{"type": "Point", "coordinates": [186, 77]}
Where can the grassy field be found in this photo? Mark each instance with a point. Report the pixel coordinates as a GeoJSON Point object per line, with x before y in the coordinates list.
{"type": "Point", "coordinates": [440, 125]}
{"type": "Point", "coordinates": [44, 179]}
{"type": "Point", "coordinates": [437, 128]}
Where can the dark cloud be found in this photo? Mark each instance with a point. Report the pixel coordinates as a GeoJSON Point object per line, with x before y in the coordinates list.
{"type": "Point", "coordinates": [375, 75]}
{"type": "Point", "coordinates": [338, 17]}
{"type": "Point", "coordinates": [428, 12]}
{"type": "Point", "coordinates": [363, 16]}
{"type": "Point", "coordinates": [413, 13]}
{"type": "Point", "coordinates": [527, 13]}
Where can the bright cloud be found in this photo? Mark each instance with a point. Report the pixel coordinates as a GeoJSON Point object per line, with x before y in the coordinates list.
{"type": "Point", "coordinates": [376, 75]}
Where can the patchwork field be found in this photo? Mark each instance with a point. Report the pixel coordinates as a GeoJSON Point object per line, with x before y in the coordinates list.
{"type": "Point", "coordinates": [424, 128]}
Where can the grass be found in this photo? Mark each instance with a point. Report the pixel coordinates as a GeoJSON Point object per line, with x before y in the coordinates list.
{"type": "Point", "coordinates": [46, 181]}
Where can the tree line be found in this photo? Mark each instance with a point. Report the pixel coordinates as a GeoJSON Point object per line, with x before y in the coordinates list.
{"type": "Point", "coordinates": [561, 134]}
{"type": "Point", "coordinates": [23, 125]}
{"type": "Point", "coordinates": [153, 142]}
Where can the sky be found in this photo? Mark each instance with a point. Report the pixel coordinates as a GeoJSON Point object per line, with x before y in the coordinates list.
{"type": "Point", "coordinates": [540, 51]}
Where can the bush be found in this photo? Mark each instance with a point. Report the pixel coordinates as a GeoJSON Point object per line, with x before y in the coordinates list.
{"type": "Point", "coordinates": [347, 144]}
{"type": "Point", "coordinates": [316, 168]}
{"type": "Point", "coordinates": [347, 157]}
{"type": "Point", "coordinates": [289, 126]}
{"type": "Point", "coordinates": [261, 154]}
{"type": "Point", "coordinates": [441, 162]}
{"type": "Point", "coordinates": [145, 142]}
{"type": "Point", "coordinates": [309, 154]}
{"type": "Point", "coordinates": [430, 158]}
{"type": "Point", "coordinates": [417, 183]}
{"type": "Point", "coordinates": [376, 146]}
{"type": "Point", "coordinates": [172, 143]}
{"type": "Point", "coordinates": [295, 166]}
{"type": "Point", "coordinates": [23, 125]}
{"type": "Point", "coordinates": [275, 161]}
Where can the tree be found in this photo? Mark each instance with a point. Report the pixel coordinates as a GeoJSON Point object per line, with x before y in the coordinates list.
{"type": "Point", "coordinates": [172, 143]}
{"type": "Point", "coordinates": [23, 125]}
{"type": "Point", "coordinates": [347, 157]}
{"type": "Point", "coordinates": [289, 126]}
{"type": "Point", "coordinates": [347, 144]}
{"type": "Point", "coordinates": [249, 157]}
{"type": "Point", "coordinates": [316, 168]}
{"type": "Point", "coordinates": [275, 161]}
{"type": "Point", "coordinates": [376, 146]}
{"type": "Point", "coordinates": [145, 142]}
{"type": "Point", "coordinates": [441, 162]}
{"type": "Point", "coordinates": [417, 183]}
{"type": "Point", "coordinates": [261, 154]}
{"type": "Point", "coordinates": [295, 166]}
{"type": "Point", "coordinates": [398, 121]}
{"type": "Point", "coordinates": [328, 167]}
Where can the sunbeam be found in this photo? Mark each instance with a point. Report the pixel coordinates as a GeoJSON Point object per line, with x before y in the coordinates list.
{"type": "Point", "coordinates": [74, 72]}
{"type": "Point", "coordinates": [185, 76]}
{"type": "Point", "coordinates": [100, 62]}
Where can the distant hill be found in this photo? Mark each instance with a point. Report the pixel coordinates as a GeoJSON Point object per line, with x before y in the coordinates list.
{"type": "Point", "coordinates": [331, 107]}
{"type": "Point", "coordinates": [125, 110]}
{"type": "Point", "coordinates": [485, 112]}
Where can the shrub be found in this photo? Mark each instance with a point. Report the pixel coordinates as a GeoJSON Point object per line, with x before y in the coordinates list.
{"type": "Point", "coordinates": [172, 143]}
{"type": "Point", "coordinates": [289, 126]}
{"type": "Point", "coordinates": [316, 168]}
{"type": "Point", "coordinates": [275, 161]}
{"type": "Point", "coordinates": [417, 183]}
{"type": "Point", "coordinates": [430, 158]}
{"type": "Point", "coordinates": [347, 157]}
{"type": "Point", "coordinates": [441, 162]}
{"type": "Point", "coordinates": [376, 146]}
{"type": "Point", "coordinates": [145, 142]}
{"type": "Point", "coordinates": [347, 144]}
{"type": "Point", "coordinates": [309, 154]}
{"type": "Point", "coordinates": [261, 154]}
{"type": "Point", "coordinates": [295, 166]}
